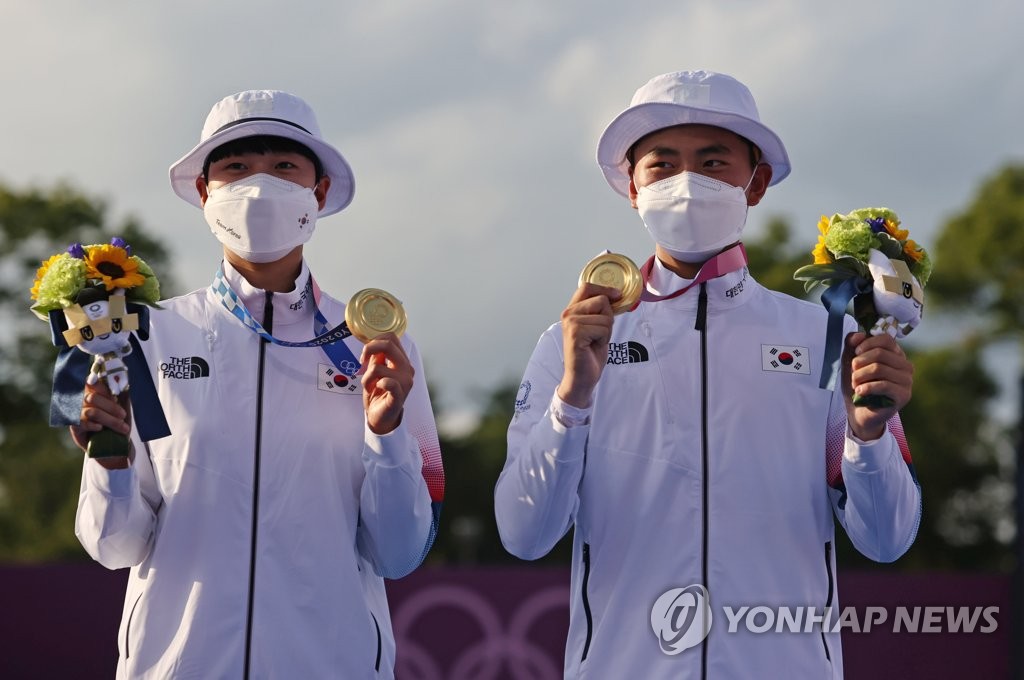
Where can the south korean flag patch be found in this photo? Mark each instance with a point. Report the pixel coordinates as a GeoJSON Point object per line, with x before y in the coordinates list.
{"type": "Point", "coordinates": [785, 359]}
{"type": "Point", "coordinates": [330, 379]}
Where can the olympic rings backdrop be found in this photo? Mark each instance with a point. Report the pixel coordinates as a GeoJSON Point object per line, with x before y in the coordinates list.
{"type": "Point", "coordinates": [485, 623]}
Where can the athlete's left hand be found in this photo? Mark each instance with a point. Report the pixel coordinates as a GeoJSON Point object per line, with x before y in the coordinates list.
{"type": "Point", "coordinates": [874, 365]}
{"type": "Point", "coordinates": [387, 379]}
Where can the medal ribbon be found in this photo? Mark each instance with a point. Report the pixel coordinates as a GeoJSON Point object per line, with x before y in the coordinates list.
{"type": "Point", "coordinates": [724, 263]}
{"type": "Point", "coordinates": [327, 339]}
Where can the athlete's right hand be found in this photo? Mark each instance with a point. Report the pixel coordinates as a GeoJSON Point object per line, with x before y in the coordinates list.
{"type": "Point", "coordinates": [101, 409]}
{"type": "Point", "coordinates": [586, 330]}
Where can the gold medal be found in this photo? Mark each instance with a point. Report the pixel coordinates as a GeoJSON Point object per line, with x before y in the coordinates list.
{"type": "Point", "coordinates": [372, 312]}
{"type": "Point", "coordinates": [615, 271]}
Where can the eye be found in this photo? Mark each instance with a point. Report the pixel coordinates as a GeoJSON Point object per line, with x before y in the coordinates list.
{"type": "Point", "coordinates": [286, 165]}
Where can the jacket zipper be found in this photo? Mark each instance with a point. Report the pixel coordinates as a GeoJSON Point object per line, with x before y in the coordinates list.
{"type": "Point", "coordinates": [268, 322]}
{"type": "Point", "coordinates": [586, 601]}
{"type": "Point", "coordinates": [701, 325]}
{"type": "Point", "coordinates": [831, 591]}
{"type": "Point", "coordinates": [376, 665]}
{"type": "Point", "coordinates": [128, 626]}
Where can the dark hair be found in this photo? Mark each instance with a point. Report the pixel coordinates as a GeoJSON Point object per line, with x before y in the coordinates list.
{"type": "Point", "coordinates": [91, 294]}
{"type": "Point", "coordinates": [261, 144]}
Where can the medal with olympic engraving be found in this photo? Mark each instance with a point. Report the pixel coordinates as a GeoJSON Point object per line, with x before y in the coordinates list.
{"type": "Point", "coordinates": [372, 312]}
{"type": "Point", "coordinates": [617, 271]}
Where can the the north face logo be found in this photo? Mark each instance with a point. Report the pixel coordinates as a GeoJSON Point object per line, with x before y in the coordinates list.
{"type": "Point", "coordinates": [630, 352]}
{"type": "Point", "coordinates": [185, 368]}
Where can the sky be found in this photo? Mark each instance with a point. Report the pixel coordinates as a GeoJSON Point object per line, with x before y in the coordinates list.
{"type": "Point", "coordinates": [471, 128]}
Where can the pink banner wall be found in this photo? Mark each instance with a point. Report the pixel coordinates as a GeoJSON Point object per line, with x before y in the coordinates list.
{"type": "Point", "coordinates": [507, 623]}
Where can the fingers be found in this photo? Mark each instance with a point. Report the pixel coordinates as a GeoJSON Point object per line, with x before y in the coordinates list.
{"type": "Point", "coordinates": [879, 362]}
{"type": "Point", "coordinates": [587, 324]}
{"type": "Point", "coordinates": [588, 318]}
{"type": "Point", "coordinates": [101, 409]}
{"type": "Point", "coordinates": [592, 291]}
{"type": "Point", "coordinates": [387, 378]}
{"type": "Point", "coordinates": [876, 366]}
{"type": "Point", "coordinates": [385, 350]}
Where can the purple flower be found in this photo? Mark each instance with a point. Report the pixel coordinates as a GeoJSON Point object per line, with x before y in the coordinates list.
{"type": "Point", "coordinates": [119, 242]}
{"type": "Point", "coordinates": [77, 251]}
{"type": "Point", "coordinates": [877, 224]}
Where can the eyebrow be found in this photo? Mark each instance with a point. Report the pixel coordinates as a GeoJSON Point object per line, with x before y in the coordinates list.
{"type": "Point", "coordinates": [713, 149]}
{"type": "Point", "coordinates": [662, 151]}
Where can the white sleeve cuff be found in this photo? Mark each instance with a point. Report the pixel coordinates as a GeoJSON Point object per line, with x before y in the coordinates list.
{"type": "Point", "coordinates": [111, 483]}
{"type": "Point", "coordinates": [568, 415]}
{"type": "Point", "coordinates": [868, 456]}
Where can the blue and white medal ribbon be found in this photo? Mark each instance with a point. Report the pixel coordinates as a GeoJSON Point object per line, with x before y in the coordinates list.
{"type": "Point", "coordinates": [330, 340]}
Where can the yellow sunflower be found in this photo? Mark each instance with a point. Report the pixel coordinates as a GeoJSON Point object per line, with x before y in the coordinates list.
{"type": "Point", "coordinates": [820, 252]}
{"type": "Point", "coordinates": [894, 230]}
{"type": "Point", "coordinates": [41, 272]}
{"type": "Point", "coordinates": [912, 250]}
{"type": "Point", "coordinates": [113, 267]}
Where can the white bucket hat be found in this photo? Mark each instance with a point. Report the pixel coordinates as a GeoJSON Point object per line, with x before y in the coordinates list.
{"type": "Point", "coordinates": [687, 97]}
{"type": "Point", "coordinates": [264, 112]}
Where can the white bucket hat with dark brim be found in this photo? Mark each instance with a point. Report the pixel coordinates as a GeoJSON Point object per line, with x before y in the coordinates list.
{"type": "Point", "coordinates": [687, 97]}
{"type": "Point", "coordinates": [264, 112]}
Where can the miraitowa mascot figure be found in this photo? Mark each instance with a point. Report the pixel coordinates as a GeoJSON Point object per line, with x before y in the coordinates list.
{"type": "Point", "coordinates": [99, 325]}
{"type": "Point", "coordinates": [96, 299]}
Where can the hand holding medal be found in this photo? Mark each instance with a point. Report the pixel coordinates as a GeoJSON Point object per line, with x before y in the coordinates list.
{"type": "Point", "coordinates": [613, 270]}
{"type": "Point", "coordinates": [377, 319]}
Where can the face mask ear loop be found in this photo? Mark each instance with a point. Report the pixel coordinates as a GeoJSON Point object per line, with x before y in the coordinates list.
{"type": "Point", "coordinates": [751, 180]}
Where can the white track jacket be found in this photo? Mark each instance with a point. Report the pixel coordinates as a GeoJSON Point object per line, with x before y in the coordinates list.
{"type": "Point", "coordinates": [712, 458]}
{"type": "Point", "coordinates": [259, 531]}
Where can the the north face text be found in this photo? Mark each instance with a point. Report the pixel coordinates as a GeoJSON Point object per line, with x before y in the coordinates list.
{"type": "Point", "coordinates": [185, 368]}
{"type": "Point", "coordinates": [629, 352]}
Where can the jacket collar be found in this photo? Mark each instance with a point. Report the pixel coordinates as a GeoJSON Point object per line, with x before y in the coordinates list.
{"type": "Point", "coordinates": [729, 290]}
{"type": "Point", "coordinates": [291, 307]}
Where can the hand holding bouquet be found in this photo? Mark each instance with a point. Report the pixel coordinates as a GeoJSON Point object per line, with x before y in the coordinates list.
{"type": "Point", "coordinates": [87, 293]}
{"type": "Point", "coordinates": [865, 257]}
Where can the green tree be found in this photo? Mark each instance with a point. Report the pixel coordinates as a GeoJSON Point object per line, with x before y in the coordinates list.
{"type": "Point", "coordinates": [39, 467]}
{"type": "Point", "coordinates": [980, 253]}
{"type": "Point", "coordinates": [773, 257]}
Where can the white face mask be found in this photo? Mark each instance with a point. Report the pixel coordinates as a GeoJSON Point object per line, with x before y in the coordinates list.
{"type": "Point", "coordinates": [691, 216]}
{"type": "Point", "coordinates": [261, 218]}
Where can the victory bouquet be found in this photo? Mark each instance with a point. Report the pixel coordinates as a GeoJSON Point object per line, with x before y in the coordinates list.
{"type": "Point", "coordinates": [865, 257]}
{"type": "Point", "coordinates": [96, 299]}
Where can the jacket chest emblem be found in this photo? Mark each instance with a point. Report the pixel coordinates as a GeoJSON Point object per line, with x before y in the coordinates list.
{"type": "Point", "coordinates": [785, 359]}
{"type": "Point", "coordinates": [185, 368]}
{"type": "Point", "coordinates": [629, 352]}
{"type": "Point", "coordinates": [330, 379]}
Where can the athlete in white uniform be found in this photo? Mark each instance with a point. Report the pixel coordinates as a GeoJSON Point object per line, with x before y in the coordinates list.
{"type": "Point", "coordinates": [259, 532]}
{"type": "Point", "coordinates": [687, 442]}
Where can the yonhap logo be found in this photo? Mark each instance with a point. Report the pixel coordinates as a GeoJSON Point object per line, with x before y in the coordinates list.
{"type": "Point", "coordinates": [185, 368]}
{"type": "Point", "coordinates": [681, 618]}
{"type": "Point", "coordinates": [630, 352]}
